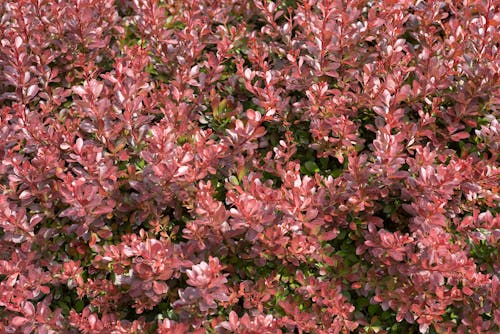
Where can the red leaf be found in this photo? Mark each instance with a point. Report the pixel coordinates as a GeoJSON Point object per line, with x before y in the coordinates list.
{"type": "Point", "coordinates": [467, 291]}
{"type": "Point", "coordinates": [160, 288]}
{"type": "Point", "coordinates": [459, 136]}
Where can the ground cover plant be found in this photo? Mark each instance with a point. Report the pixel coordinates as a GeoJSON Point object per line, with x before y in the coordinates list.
{"type": "Point", "coordinates": [229, 166]}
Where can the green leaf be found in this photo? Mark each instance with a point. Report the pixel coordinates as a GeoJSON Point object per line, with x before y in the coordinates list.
{"type": "Point", "coordinates": [234, 180]}
{"type": "Point", "coordinates": [311, 167]}
{"type": "Point", "coordinates": [373, 309]}
{"type": "Point", "coordinates": [79, 305]}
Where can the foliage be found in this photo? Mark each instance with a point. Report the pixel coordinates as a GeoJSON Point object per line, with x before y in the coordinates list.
{"type": "Point", "coordinates": [224, 166]}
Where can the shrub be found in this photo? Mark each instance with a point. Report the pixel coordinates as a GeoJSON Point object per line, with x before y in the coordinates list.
{"type": "Point", "coordinates": [223, 166]}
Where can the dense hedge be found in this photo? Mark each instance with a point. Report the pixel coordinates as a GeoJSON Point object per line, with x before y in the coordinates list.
{"type": "Point", "coordinates": [230, 166]}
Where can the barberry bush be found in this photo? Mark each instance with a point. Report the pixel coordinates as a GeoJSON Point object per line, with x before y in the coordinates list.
{"type": "Point", "coordinates": [230, 166]}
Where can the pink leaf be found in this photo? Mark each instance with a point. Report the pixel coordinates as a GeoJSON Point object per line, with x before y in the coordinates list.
{"type": "Point", "coordinates": [79, 90]}
{"type": "Point", "coordinates": [32, 91]}
{"type": "Point", "coordinates": [92, 321]}
{"type": "Point", "coordinates": [18, 42]}
{"type": "Point", "coordinates": [18, 321]}
{"type": "Point", "coordinates": [28, 309]}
